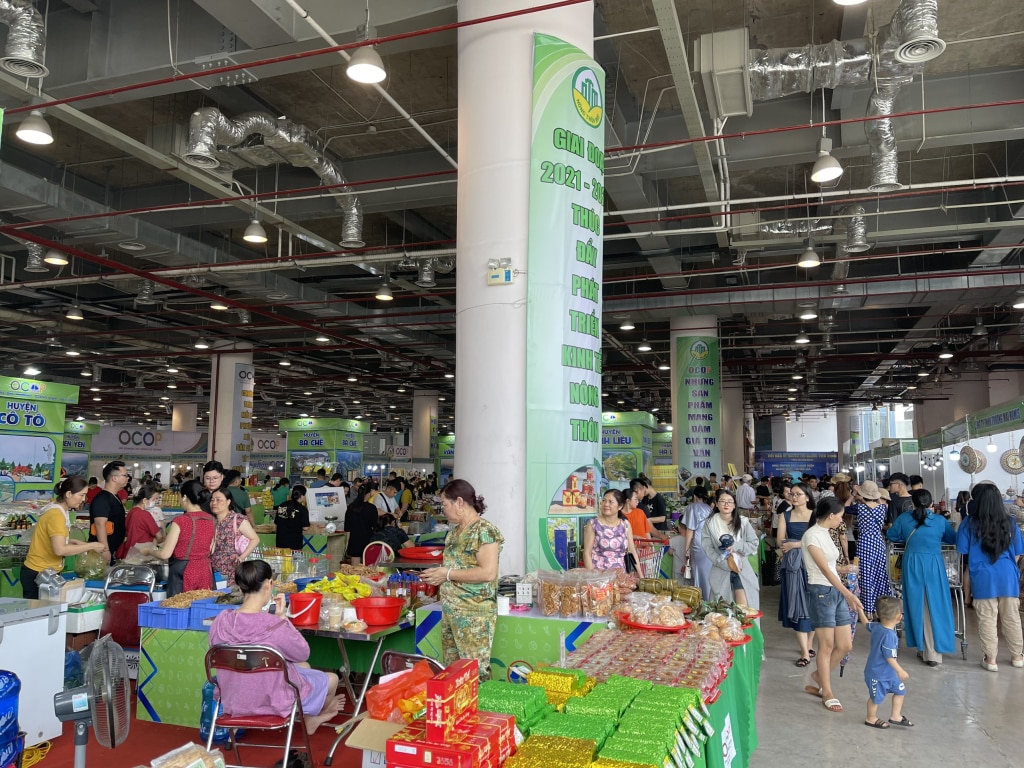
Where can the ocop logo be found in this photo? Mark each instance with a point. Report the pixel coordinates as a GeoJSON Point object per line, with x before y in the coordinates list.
{"type": "Point", "coordinates": [20, 385]}
{"type": "Point", "coordinates": [266, 444]}
{"type": "Point", "coordinates": [586, 96]}
{"type": "Point", "coordinates": [149, 439]}
{"type": "Point", "coordinates": [699, 350]}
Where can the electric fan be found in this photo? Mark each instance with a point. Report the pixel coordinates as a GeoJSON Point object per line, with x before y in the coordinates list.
{"type": "Point", "coordinates": [102, 702]}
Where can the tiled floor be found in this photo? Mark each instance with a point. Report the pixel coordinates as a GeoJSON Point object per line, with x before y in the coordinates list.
{"type": "Point", "coordinates": [962, 714]}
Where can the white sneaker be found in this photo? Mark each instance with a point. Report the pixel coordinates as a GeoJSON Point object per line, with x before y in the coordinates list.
{"type": "Point", "coordinates": [1018, 662]}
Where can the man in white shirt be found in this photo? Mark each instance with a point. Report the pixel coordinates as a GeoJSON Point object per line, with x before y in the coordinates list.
{"type": "Point", "coordinates": [745, 495]}
{"type": "Point", "coordinates": [385, 501]}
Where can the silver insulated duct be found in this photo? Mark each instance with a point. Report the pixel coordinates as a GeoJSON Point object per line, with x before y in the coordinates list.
{"type": "Point", "coordinates": [26, 39]}
{"type": "Point", "coordinates": [904, 45]}
{"type": "Point", "coordinates": [34, 263]}
{"type": "Point", "coordinates": [257, 138]}
{"type": "Point", "coordinates": [856, 229]}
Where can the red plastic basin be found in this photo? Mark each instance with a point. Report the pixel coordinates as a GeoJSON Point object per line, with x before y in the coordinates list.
{"type": "Point", "coordinates": [378, 611]}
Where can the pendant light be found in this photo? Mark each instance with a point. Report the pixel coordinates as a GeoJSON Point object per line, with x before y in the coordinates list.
{"type": "Point", "coordinates": [945, 353]}
{"type": "Point", "coordinates": [954, 455]}
{"type": "Point", "coordinates": [34, 129]}
{"type": "Point", "coordinates": [366, 66]}
{"type": "Point", "coordinates": [218, 303]}
{"type": "Point", "coordinates": [810, 258]}
{"type": "Point", "coordinates": [991, 447]}
{"type": "Point", "coordinates": [826, 168]}
{"type": "Point", "coordinates": [201, 343]}
{"type": "Point", "coordinates": [55, 257]}
{"type": "Point", "coordinates": [802, 337]}
{"type": "Point", "coordinates": [255, 233]}
{"type": "Point", "coordinates": [75, 312]}
{"type": "Point", "coordinates": [626, 325]}
{"type": "Point", "coordinates": [384, 291]}
{"type": "Point", "coordinates": [645, 346]}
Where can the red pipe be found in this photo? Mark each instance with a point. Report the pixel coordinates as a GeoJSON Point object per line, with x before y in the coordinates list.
{"type": "Point", "coordinates": [292, 57]}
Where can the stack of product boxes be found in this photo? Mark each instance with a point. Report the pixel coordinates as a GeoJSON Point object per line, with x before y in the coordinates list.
{"type": "Point", "coordinates": [454, 734]}
{"type": "Point", "coordinates": [12, 742]}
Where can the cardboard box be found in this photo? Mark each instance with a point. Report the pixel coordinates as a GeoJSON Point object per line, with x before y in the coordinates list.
{"type": "Point", "coordinates": [372, 736]}
{"type": "Point", "coordinates": [452, 697]}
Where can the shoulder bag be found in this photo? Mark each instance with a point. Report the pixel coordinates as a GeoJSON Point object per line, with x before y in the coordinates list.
{"type": "Point", "coordinates": [899, 557]}
{"type": "Point", "coordinates": [241, 541]}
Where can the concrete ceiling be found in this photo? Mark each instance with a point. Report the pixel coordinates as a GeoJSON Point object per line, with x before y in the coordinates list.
{"type": "Point", "coordinates": [944, 249]}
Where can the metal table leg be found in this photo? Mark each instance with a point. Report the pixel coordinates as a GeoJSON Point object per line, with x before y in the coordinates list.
{"type": "Point", "coordinates": [356, 716]}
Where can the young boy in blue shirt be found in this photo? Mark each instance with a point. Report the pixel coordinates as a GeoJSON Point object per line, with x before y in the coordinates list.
{"type": "Point", "coordinates": [882, 672]}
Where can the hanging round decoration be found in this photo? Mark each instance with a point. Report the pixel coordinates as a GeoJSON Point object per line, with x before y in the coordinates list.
{"type": "Point", "coordinates": [982, 461]}
{"type": "Point", "coordinates": [1011, 462]}
{"type": "Point", "coordinates": [969, 460]}
{"type": "Point", "coordinates": [1020, 447]}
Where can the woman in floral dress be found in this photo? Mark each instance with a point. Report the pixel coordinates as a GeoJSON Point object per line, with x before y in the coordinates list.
{"type": "Point", "coordinates": [608, 537]}
{"type": "Point", "coordinates": [230, 526]}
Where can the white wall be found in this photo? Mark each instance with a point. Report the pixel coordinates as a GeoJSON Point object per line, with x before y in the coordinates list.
{"type": "Point", "coordinates": [815, 431]}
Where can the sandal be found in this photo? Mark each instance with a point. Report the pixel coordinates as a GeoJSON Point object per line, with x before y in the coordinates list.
{"type": "Point", "coordinates": [902, 721]}
{"type": "Point", "coordinates": [813, 690]}
{"type": "Point", "coordinates": [877, 724]}
{"type": "Point", "coordinates": [811, 653]}
{"type": "Point", "coordinates": [833, 705]}
{"type": "Point", "coordinates": [802, 662]}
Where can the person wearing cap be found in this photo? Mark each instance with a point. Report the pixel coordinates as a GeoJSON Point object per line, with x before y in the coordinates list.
{"type": "Point", "coordinates": [870, 512]}
{"type": "Point", "coordinates": [899, 490]}
{"type": "Point", "coordinates": [746, 499]}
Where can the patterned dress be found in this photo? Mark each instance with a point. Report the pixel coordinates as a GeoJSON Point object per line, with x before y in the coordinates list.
{"type": "Point", "coordinates": [469, 612]}
{"type": "Point", "coordinates": [224, 557]}
{"type": "Point", "coordinates": [610, 544]}
{"type": "Point", "coordinates": [873, 576]}
{"type": "Point", "coordinates": [197, 529]}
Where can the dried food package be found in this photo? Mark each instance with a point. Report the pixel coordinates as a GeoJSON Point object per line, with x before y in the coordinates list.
{"type": "Point", "coordinates": [550, 592]}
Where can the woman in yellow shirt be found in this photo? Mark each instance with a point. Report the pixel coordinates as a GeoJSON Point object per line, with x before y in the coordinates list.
{"type": "Point", "coordinates": [51, 541]}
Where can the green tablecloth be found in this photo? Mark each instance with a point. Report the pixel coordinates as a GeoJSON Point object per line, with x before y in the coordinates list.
{"type": "Point", "coordinates": [732, 715]}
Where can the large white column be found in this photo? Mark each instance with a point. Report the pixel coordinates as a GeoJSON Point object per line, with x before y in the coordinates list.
{"type": "Point", "coordinates": [847, 428]}
{"type": "Point", "coordinates": [733, 449]}
{"type": "Point", "coordinates": [230, 416]}
{"type": "Point", "coordinates": [183, 417]}
{"type": "Point", "coordinates": [424, 413]}
{"type": "Point", "coordinates": [495, 97]}
{"type": "Point", "coordinates": [696, 396]}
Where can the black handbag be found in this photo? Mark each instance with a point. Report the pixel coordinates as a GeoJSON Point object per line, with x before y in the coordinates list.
{"type": "Point", "coordinates": [630, 561]}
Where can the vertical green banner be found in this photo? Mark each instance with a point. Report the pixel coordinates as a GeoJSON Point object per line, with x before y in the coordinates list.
{"type": "Point", "coordinates": [563, 372]}
{"type": "Point", "coordinates": [698, 432]}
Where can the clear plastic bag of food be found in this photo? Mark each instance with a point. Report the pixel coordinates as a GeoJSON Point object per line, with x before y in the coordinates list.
{"type": "Point", "coordinates": [669, 614]}
{"type": "Point", "coordinates": [550, 583]}
{"type": "Point", "coordinates": [572, 592]}
{"type": "Point", "coordinates": [599, 598]}
{"type": "Point", "coordinates": [639, 605]}
{"type": "Point", "coordinates": [731, 630]}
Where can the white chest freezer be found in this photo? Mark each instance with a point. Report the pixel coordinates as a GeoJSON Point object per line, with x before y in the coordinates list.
{"type": "Point", "coordinates": [32, 647]}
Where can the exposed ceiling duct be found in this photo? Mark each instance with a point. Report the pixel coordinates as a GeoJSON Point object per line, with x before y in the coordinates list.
{"type": "Point", "coordinates": [26, 39]}
{"type": "Point", "coordinates": [856, 229]}
{"type": "Point", "coordinates": [257, 138]}
{"type": "Point", "coordinates": [34, 263]}
{"type": "Point", "coordinates": [905, 44]}
{"type": "Point", "coordinates": [798, 228]}
{"type": "Point", "coordinates": [902, 47]}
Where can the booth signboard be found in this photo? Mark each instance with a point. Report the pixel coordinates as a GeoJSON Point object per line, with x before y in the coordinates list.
{"type": "Point", "coordinates": [333, 445]}
{"type": "Point", "coordinates": [32, 428]}
{"type": "Point", "coordinates": [626, 447]}
{"type": "Point", "coordinates": [662, 446]}
{"type": "Point", "coordinates": [796, 463]}
{"type": "Point", "coordinates": [74, 459]}
{"type": "Point", "coordinates": [1000, 418]}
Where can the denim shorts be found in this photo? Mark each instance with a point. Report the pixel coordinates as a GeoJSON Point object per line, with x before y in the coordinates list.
{"type": "Point", "coordinates": [827, 607]}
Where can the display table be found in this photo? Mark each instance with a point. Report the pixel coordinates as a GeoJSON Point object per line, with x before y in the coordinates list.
{"type": "Point", "coordinates": [522, 641]}
{"type": "Point", "coordinates": [315, 544]}
{"type": "Point", "coordinates": [732, 713]}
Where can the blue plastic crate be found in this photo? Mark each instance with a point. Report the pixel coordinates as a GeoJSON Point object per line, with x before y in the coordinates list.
{"type": "Point", "coordinates": [203, 612]}
{"type": "Point", "coordinates": [154, 615]}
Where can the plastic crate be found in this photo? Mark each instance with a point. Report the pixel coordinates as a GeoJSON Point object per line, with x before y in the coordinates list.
{"type": "Point", "coordinates": [157, 617]}
{"type": "Point", "coordinates": [202, 613]}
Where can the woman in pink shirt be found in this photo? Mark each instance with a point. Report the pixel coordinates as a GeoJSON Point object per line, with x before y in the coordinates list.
{"type": "Point", "coordinates": [249, 625]}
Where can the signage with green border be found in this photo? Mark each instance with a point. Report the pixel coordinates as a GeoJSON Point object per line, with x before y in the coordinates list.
{"type": "Point", "coordinates": [563, 372]}
{"type": "Point", "coordinates": [40, 391]}
{"type": "Point", "coordinates": [626, 446]}
{"type": "Point", "coordinates": [698, 434]}
{"type": "Point", "coordinates": [662, 444]}
{"type": "Point", "coordinates": [1000, 418]}
{"type": "Point", "coordinates": [930, 442]}
{"type": "Point", "coordinates": [344, 425]}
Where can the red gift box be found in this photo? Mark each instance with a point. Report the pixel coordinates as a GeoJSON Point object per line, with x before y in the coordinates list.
{"type": "Point", "coordinates": [452, 697]}
{"type": "Point", "coordinates": [506, 725]}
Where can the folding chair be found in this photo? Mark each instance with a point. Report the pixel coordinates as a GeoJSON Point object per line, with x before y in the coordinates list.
{"type": "Point", "coordinates": [378, 553]}
{"type": "Point", "coordinates": [255, 659]}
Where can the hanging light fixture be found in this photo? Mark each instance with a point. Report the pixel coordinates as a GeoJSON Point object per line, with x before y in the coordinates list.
{"type": "Point", "coordinates": [218, 303]}
{"type": "Point", "coordinates": [807, 311]}
{"type": "Point", "coordinates": [626, 325]}
{"type": "Point", "coordinates": [201, 343]}
{"type": "Point", "coordinates": [34, 129]}
{"type": "Point", "coordinates": [979, 327]}
{"type": "Point", "coordinates": [849, 2]}
{"type": "Point", "coordinates": [923, 372]}
{"type": "Point", "coordinates": [802, 337]}
{"type": "Point", "coordinates": [86, 372]}
{"type": "Point", "coordinates": [31, 370]}
{"type": "Point", "coordinates": [75, 312]}
{"type": "Point", "coordinates": [991, 447]}
{"type": "Point", "coordinates": [664, 367]}
{"type": "Point", "coordinates": [954, 455]}
{"type": "Point", "coordinates": [322, 337]}
{"type": "Point", "coordinates": [645, 346]}
{"type": "Point", "coordinates": [55, 257]}
{"type": "Point", "coordinates": [366, 66]}
{"type": "Point", "coordinates": [255, 233]}
{"type": "Point", "coordinates": [826, 168]}
{"type": "Point", "coordinates": [945, 353]}
{"type": "Point", "coordinates": [810, 258]}
{"type": "Point", "coordinates": [72, 352]}
{"type": "Point", "coordinates": [384, 291]}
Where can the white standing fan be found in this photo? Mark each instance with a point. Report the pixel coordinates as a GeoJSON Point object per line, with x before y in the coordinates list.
{"type": "Point", "coordinates": [103, 702]}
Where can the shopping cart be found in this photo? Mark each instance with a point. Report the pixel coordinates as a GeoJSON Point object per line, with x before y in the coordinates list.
{"type": "Point", "coordinates": [954, 564]}
{"type": "Point", "coordinates": [649, 554]}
